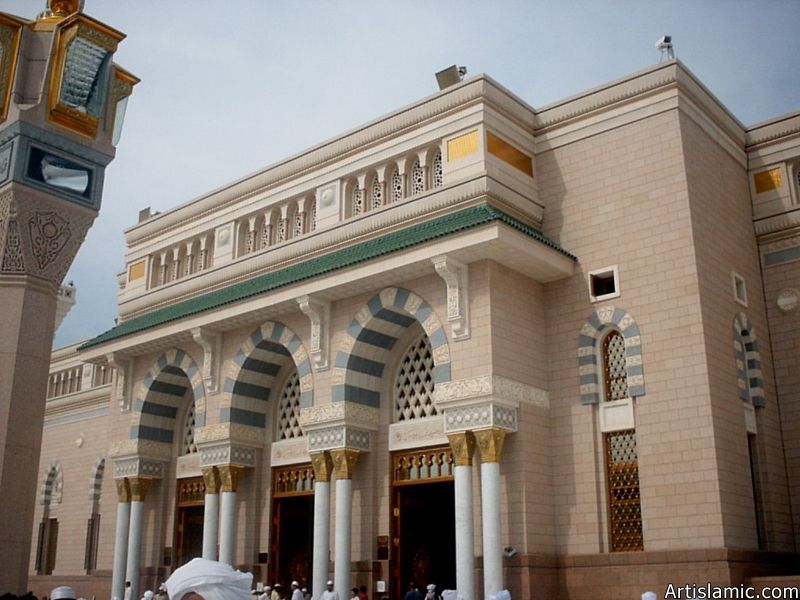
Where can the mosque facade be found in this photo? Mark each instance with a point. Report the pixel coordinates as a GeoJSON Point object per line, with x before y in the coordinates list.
{"type": "Point", "coordinates": [470, 343]}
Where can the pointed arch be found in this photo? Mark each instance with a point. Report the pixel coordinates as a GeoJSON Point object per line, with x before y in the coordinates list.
{"type": "Point", "coordinates": [52, 485]}
{"type": "Point", "coordinates": [161, 394]}
{"type": "Point", "coordinates": [371, 336]}
{"type": "Point", "coordinates": [592, 333]}
{"type": "Point", "coordinates": [96, 481]}
{"type": "Point", "coordinates": [253, 372]}
{"type": "Point", "coordinates": [748, 361]}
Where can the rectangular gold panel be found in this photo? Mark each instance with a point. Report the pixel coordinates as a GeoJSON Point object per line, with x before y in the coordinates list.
{"type": "Point", "coordinates": [462, 146]}
{"type": "Point", "coordinates": [136, 271]}
{"type": "Point", "coordinates": [768, 180]}
{"type": "Point", "coordinates": [508, 154]}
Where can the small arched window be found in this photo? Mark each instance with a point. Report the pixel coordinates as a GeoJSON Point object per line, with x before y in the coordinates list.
{"type": "Point", "coordinates": [376, 193]}
{"type": "Point", "coordinates": [356, 200]}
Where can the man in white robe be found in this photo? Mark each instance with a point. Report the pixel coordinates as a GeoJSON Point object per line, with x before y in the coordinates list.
{"type": "Point", "coordinates": [202, 579]}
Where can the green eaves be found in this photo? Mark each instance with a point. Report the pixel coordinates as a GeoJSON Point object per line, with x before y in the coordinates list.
{"type": "Point", "coordinates": [339, 259]}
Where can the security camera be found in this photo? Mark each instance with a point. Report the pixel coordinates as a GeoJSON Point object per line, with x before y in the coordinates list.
{"type": "Point", "coordinates": [509, 551]}
{"type": "Point", "coordinates": [664, 42]}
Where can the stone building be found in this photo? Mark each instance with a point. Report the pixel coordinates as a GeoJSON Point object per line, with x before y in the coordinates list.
{"type": "Point", "coordinates": [471, 342]}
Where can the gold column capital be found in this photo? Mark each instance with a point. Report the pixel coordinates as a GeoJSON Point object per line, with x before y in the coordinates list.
{"type": "Point", "coordinates": [463, 446]}
{"type": "Point", "coordinates": [322, 463]}
{"type": "Point", "coordinates": [139, 487]}
{"type": "Point", "coordinates": [211, 479]}
{"type": "Point", "coordinates": [490, 443]}
{"type": "Point", "coordinates": [123, 490]}
{"type": "Point", "coordinates": [344, 462]}
{"type": "Point", "coordinates": [229, 477]}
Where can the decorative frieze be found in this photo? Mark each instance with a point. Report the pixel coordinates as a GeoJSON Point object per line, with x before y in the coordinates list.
{"type": "Point", "coordinates": [500, 389]}
{"type": "Point", "coordinates": [139, 448]}
{"type": "Point", "coordinates": [227, 454]}
{"type": "Point", "coordinates": [417, 433]}
{"type": "Point", "coordinates": [230, 432]}
{"type": "Point", "coordinates": [338, 436]}
{"type": "Point", "coordinates": [455, 276]}
{"type": "Point", "coordinates": [358, 415]}
{"type": "Point", "coordinates": [136, 467]}
{"type": "Point", "coordinates": [319, 314]}
{"type": "Point", "coordinates": [289, 452]}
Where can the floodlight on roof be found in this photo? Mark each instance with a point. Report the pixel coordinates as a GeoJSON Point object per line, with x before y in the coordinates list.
{"type": "Point", "coordinates": [450, 76]}
{"type": "Point", "coordinates": [664, 44]}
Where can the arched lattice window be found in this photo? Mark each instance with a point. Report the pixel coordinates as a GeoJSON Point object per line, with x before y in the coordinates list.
{"type": "Point", "coordinates": [622, 464]}
{"type": "Point", "coordinates": [397, 185]}
{"type": "Point", "coordinates": [376, 193]}
{"type": "Point", "coordinates": [413, 388]}
{"type": "Point", "coordinates": [289, 409]}
{"type": "Point", "coordinates": [417, 178]}
{"type": "Point", "coordinates": [356, 200]}
{"type": "Point", "coordinates": [614, 367]}
{"type": "Point", "coordinates": [313, 217]}
{"type": "Point", "coordinates": [437, 176]}
{"type": "Point", "coordinates": [189, 445]}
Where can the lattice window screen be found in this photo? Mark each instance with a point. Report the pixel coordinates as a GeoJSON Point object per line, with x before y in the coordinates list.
{"type": "Point", "coordinates": [377, 193]}
{"type": "Point", "coordinates": [417, 178]}
{"type": "Point", "coordinates": [614, 367]}
{"type": "Point", "coordinates": [189, 446]}
{"type": "Point", "coordinates": [397, 186]}
{"type": "Point", "coordinates": [289, 409]}
{"type": "Point", "coordinates": [413, 397]}
{"type": "Point", "coordinates": [437, 178]}
{"type": "Point", "coordinates": [624, 505]}
{"type": "Point", "coordinates": [357, 202]}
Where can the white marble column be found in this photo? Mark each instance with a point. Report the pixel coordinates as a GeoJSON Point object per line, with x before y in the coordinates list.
{"type": "Point", "coordinates": [139, 487]}
{"type": "Point", "coordinates": [463, 446]}
{"type": "Point", "coordinates": [121, 538]}
{"type": "Point", "coordinates": [490, 444]}
{"type": "Point", "coordinates": [344, 462]}
{"type": "Point", "coordinates": [229, 478]}
{"type": "Point", "coordinates": [211, 513]}
{"type": "Point", "coordinates": [322, 526]}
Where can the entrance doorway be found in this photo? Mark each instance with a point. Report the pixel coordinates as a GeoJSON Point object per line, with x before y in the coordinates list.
{"type": "Point", "coordinates": [292, 533]}
{"type": "Point", "coordinates": [423, 524]}
{"type": "Point", "coordinates": [189, 520]}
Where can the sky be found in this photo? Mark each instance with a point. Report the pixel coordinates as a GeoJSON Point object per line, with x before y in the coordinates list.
{"type": "Point", "coordinates": [231, 87]}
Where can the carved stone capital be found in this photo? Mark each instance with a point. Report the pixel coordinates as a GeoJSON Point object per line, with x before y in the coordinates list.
{"type": "Point", "coordinates": [123, 490]}
{"type": "Point", "coordinates": [490, 443]}
{"type": "Point", "coordinates": [122, 385]}
{"type": "Point", "coordinates": [139, 487]}
{"type": "Point", "coordinates": [211, 343]}
{"type": "Point", "coordinates": [229, 476]}
{"type": "Point", "coordinates": [319, 313]}
{"type": "Point", "coordinates": [344, 462]}
{"type": "Point", "coordinates": [463, 446]}
{"type": "Point", "coordinates": [455, 275]}
{"type": "Point", "coordinates": [211, 479]}
{"type": "Point", "coordinates": [322, 463]}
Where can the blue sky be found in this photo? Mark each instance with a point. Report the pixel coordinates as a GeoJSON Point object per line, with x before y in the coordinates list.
{"type": "Point", "coordinates": [231, 87]}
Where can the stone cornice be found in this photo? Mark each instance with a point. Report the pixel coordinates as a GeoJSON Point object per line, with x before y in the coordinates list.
{"type": "Point", "coordinates": [361, 139]}
{"type": "Point", "coordinates": [772, 130]}
{"type": "Point", "coordinates": [78, 401]}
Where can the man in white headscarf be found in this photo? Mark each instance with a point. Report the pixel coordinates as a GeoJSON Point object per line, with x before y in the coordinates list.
{"type": "Point", "coordinates": [202, 579]}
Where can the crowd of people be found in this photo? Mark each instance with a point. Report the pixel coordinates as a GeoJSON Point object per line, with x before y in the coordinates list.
{"type": "Point", "coordinates": [202, 579]}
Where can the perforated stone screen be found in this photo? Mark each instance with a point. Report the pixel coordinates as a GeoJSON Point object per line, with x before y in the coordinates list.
{"type": "Point", "coordinates": [189, 446]}
{"type": "Point", "coordinates": [289, 409]}
{"type": "Point", "coordinates": [616, 376]}
{"type": "Point", "coordinates": [413, 398]}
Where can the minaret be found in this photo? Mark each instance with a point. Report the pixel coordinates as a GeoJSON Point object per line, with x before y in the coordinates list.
{"type": "Point", "coordinates": [62, 102]}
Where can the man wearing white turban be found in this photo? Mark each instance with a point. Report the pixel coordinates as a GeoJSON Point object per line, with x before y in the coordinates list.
{"type": "Point", "coordinates": [202, 579]}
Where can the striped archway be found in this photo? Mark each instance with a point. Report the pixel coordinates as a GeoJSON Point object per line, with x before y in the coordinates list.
{"type": "Point", "coordinates": [748, 361]}
{"type": "Point", "coordinates": [52, 485]}
{"type": "Point", "coordinates": [256, 369]}
{"type": "Point", "coordinates": [162, 393]}
{"type": "Point", "coordinates": [600, 321]}
{"type": "Point", "coordinates": [371, 337]}
{"type": "Point", "coordinates": [96, 480]}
